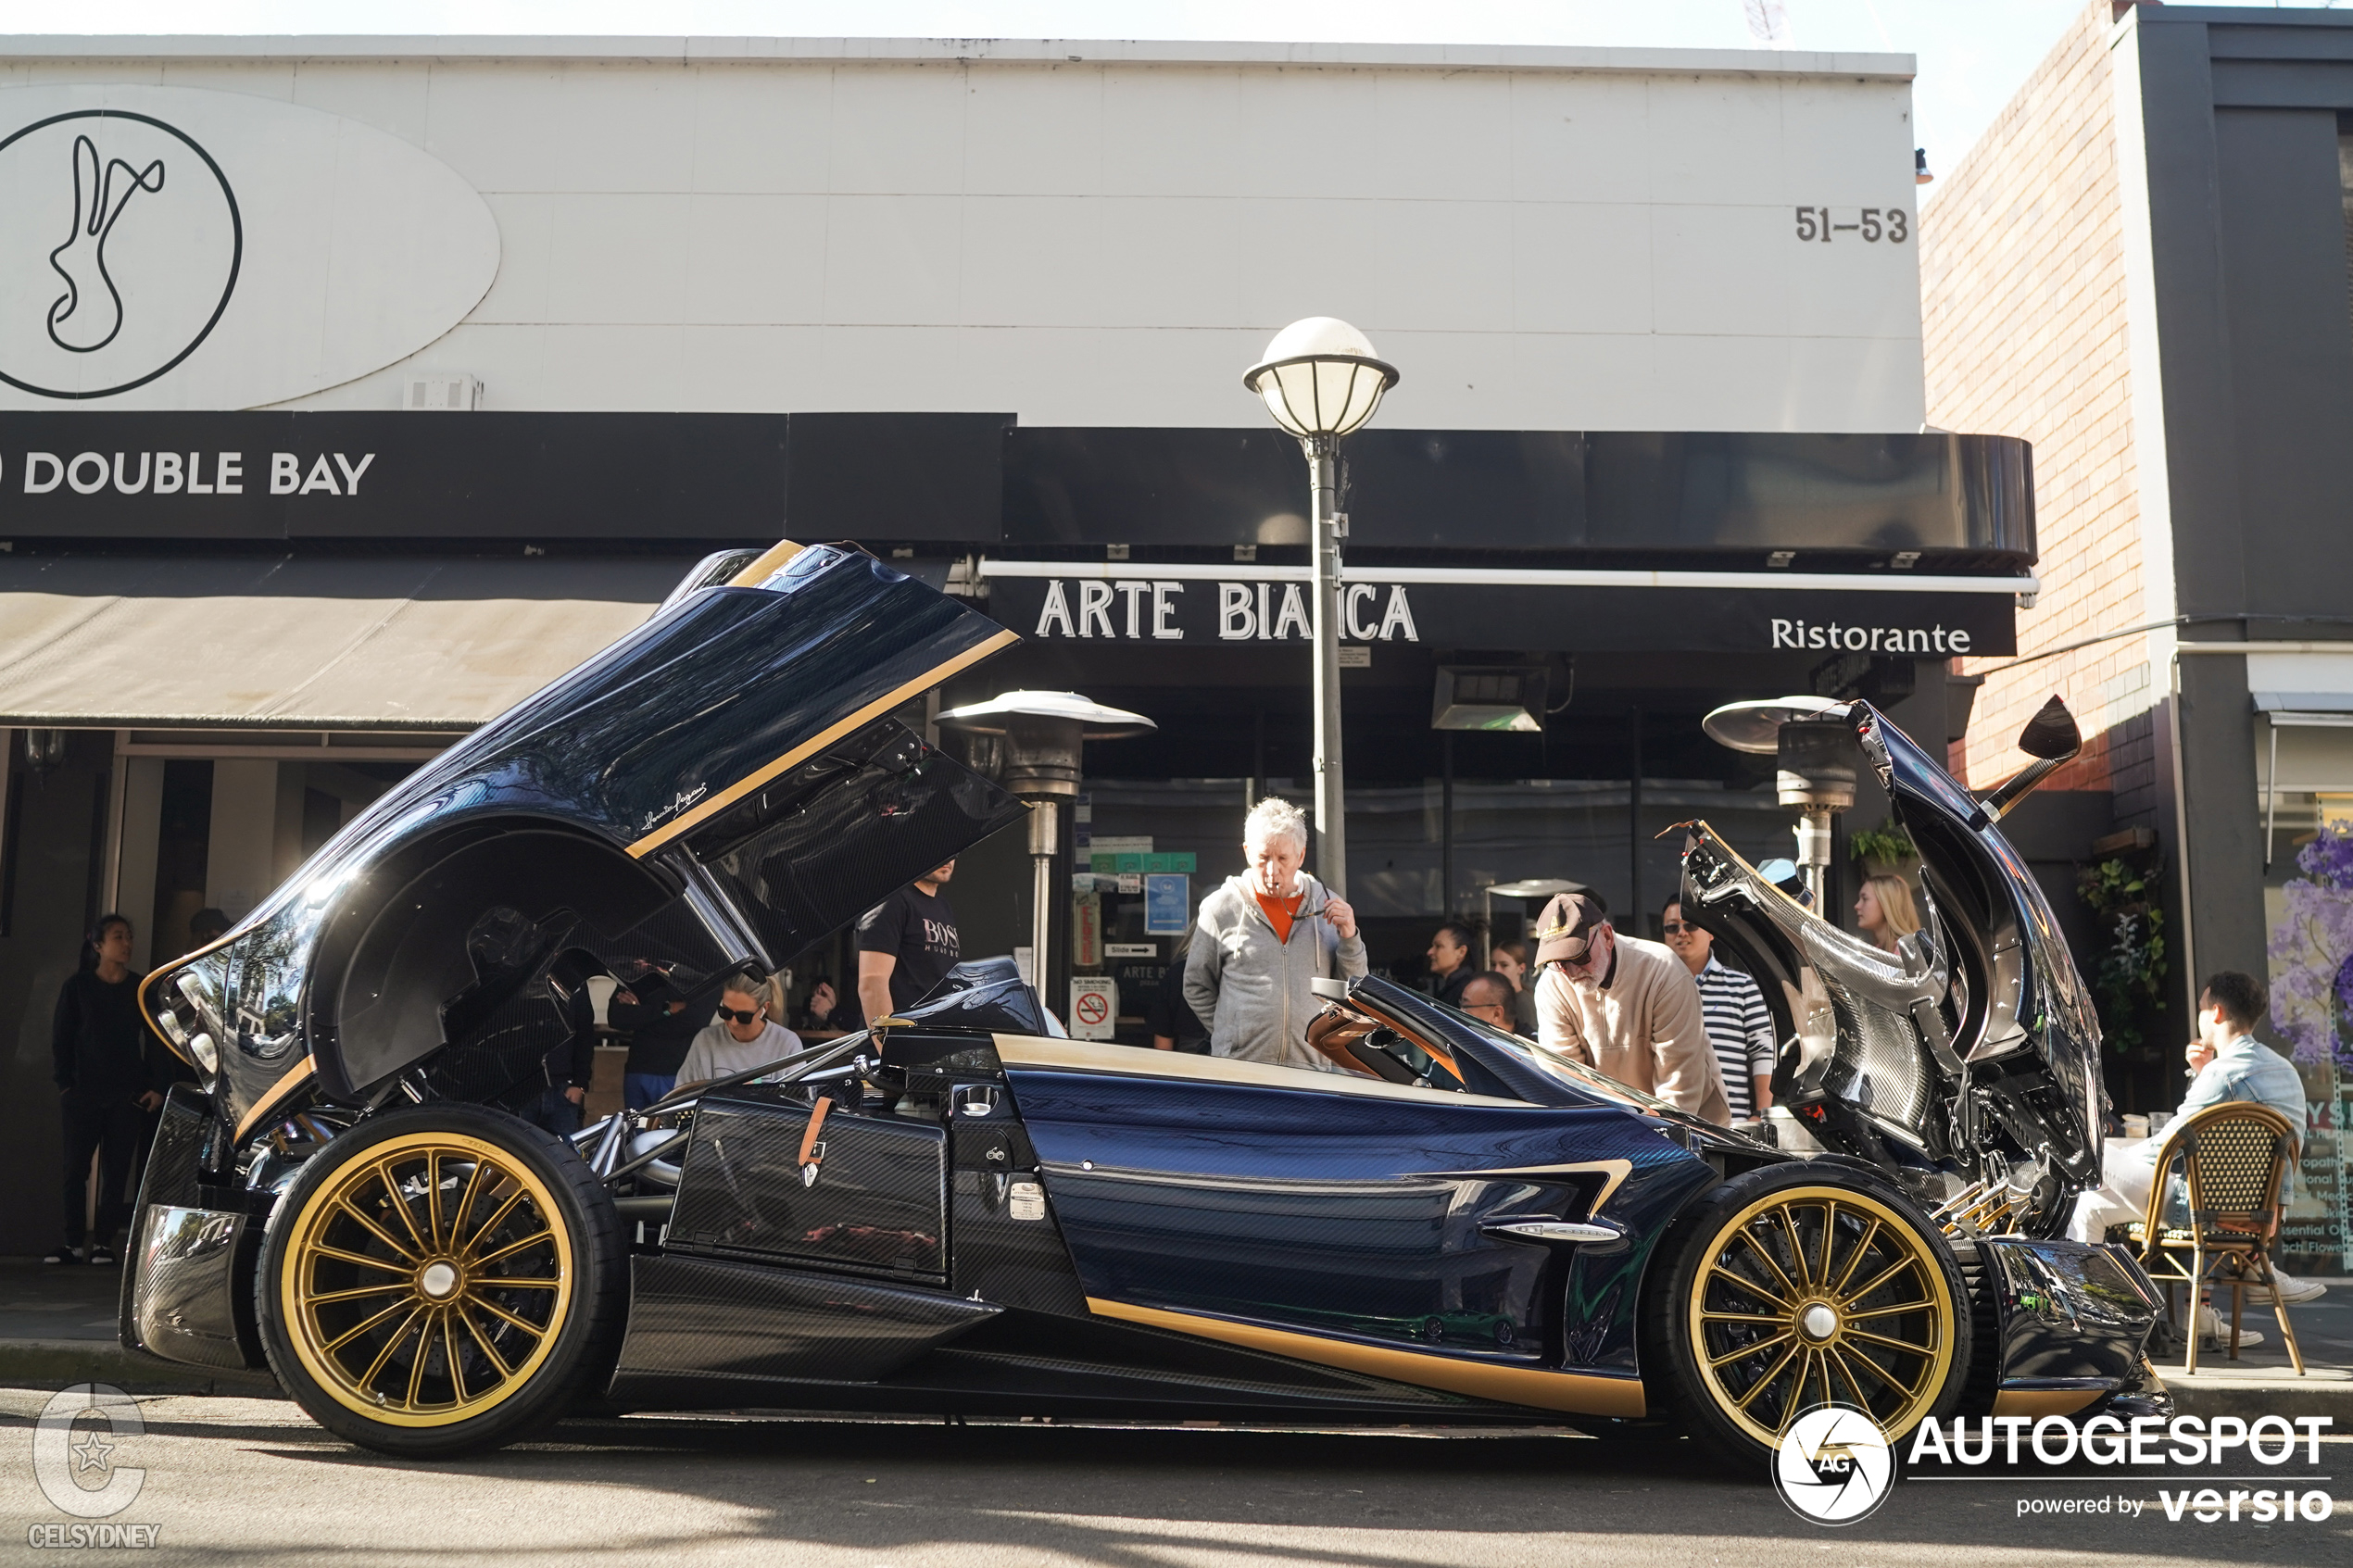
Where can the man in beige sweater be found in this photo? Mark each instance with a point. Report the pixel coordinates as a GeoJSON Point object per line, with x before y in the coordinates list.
{"type": "Point", "coordinates": [1625, 1007]}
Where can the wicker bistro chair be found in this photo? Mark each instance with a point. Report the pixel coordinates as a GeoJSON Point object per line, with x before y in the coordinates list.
{"type": "Point", "coordinates": [2235, 1158]}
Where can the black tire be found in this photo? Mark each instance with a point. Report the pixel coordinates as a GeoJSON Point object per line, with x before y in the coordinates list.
{"type": "Point", "coordinates": [497, 1327]}
{"type": "Point", "coordinates": [1978, 1273]}
{"type": "Point", "coordinates": [1728, 1277]}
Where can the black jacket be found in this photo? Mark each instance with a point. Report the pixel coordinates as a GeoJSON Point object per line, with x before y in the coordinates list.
{"type": "Point", "coordinates": [658, 1037]}
{"type": "Point", "coordinates": [97, 1041]}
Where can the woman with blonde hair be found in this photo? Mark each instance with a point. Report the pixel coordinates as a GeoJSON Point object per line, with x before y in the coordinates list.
{"type": "Point", "coordinates": [1885, 911]}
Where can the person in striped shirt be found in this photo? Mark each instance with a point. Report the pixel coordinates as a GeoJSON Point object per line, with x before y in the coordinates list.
{"type": "Point", "coordinates": [1738, 1024]}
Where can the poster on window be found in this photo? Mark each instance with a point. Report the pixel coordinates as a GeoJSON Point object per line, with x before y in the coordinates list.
{"type": "Point", "coordinates": [1167, 901]}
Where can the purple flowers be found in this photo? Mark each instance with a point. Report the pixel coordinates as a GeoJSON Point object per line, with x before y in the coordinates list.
{"type": "Point", "coordinates": [2311, 952]}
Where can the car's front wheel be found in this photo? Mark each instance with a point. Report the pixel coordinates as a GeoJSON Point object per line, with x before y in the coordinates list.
{"type": "Point", "coordinates": [441, 1280]}
{"type": "Point", "coordinates": [1803, 1284]}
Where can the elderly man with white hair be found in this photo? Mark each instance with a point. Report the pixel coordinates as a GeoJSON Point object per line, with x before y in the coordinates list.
{"type": "Point", "coordinates": [1262, 940]}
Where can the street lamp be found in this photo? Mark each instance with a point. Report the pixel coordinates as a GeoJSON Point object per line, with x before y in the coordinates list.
{"type": "Point", "coordinates": [1321, 381]}
{"type": "Point", "coordinates": [1042, 732]}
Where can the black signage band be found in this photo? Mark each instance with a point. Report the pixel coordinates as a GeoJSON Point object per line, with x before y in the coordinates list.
{"type": "Point", "coordinates": [1208, 612]}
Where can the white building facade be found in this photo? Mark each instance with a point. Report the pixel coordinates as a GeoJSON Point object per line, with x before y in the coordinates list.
{"type": "Point", "coordinates": [1078, 233]}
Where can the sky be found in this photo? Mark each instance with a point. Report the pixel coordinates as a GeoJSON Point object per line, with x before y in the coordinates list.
{"type": "Point", "coordinates": [1972, 54]}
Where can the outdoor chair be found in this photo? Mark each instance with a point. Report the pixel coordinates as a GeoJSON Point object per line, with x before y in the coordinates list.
{"type": "Point", "coordinates": [2235, 1158]}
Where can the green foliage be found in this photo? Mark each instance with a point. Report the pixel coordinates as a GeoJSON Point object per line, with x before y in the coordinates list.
{"type": "Point", "coordinates": [2127, 982]}
{"type": "Point", "coordinates": [1887, 844]}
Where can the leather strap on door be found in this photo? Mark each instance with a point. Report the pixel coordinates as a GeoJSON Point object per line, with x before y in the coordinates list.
{"type": "Point", "coordinates": [812, 1151]}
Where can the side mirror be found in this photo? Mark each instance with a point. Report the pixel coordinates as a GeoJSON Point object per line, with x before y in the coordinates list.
{"type": "Point", "coordinates": [2051, 734]}
{"type": "Point", "coordinates": [2052, 739]}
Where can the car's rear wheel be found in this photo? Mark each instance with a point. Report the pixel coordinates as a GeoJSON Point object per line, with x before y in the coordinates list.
{"type": "Point", "coordinates": [1804, 1285]}
{"type": "Point", "coordinates": [441, 1280]}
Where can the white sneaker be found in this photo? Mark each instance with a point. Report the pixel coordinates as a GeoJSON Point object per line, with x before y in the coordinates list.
{"type": "Point", "coordinates": [2217, 1334]}
{"type": "Point", "coordinates": [2294, 1290]}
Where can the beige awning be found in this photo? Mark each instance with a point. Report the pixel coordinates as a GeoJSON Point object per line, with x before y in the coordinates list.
{"type": "Point", "coordinates": [336, 644]}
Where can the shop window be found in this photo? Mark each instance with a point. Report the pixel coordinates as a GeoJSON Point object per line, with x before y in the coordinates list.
{"type": "Point", "coordinates": [2307, 897]}
{"type": "Point", "coordinates": [2345, 185]}
{"type": "Point", "coordinates": [182, 842]}
{"type": "Point", "coordinates": [11, 838]}
{"type": "Point", "coordinates": [322, 815]}
{"type": "Point", "coordinates": [95, 884]}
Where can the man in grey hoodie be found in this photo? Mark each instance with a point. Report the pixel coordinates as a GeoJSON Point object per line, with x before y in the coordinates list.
{"type": "Point", "coordinates": [1261, 940]}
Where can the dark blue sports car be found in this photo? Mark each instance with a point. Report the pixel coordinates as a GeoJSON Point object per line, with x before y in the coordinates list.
{"type": "Point", "coordinates": [962, 1211]}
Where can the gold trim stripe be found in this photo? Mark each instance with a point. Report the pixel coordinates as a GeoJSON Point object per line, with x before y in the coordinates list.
{"type": "Point", "coordinates": [1576, 1393]}
{"type": "Point", "coordinates": [1081, 1056]}
{"type": "Point", "coordinates": [687, 820]}
{"type": "Point", "coordinates": [147, 985]}
{"type": "Point", "coordinates": [1616, 1169]}
{"type": "Point", "coordinates": [2035, 1402]}
{"type": "Point", "coordinates": [295, 1077]}
{"type": "Point", "coordinates": [767, 566]}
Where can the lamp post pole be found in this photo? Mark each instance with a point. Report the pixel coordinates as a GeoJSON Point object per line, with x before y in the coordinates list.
{"type": "Point", "coordinates": [1331, 806]}
{"type": "Point", "coordinates": [1321, 381]}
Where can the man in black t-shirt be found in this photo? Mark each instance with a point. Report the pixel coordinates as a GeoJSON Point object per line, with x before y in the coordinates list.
{"type": "Point", "coordinates": [906, 944]}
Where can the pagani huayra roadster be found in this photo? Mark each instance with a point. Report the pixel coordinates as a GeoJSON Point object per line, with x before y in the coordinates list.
{"type": "Point", "coordinates": [962, 1212]}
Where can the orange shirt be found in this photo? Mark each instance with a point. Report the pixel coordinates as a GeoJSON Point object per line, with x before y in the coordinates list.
{"type": "Point", "coordinates": [1280, 912]}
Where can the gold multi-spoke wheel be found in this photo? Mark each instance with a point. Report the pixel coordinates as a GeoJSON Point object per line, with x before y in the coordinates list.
{"type": "Point", "coordinates": [1796, 1285]}
{"type": "Point", "coordinates": [429, 1279]}
{"type": "Point", "coordinates": [441, 1279]}
{"type": "Point", "coordinates": [1821, 1295]}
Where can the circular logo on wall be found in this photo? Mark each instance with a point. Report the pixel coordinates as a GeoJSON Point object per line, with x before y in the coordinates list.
{"type": "Point", "coordinates": [1833, 1465]}
{"type": "Point", "coordinates": [121, 251]}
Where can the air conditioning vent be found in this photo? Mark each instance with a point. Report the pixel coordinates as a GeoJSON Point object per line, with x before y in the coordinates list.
{"type": "Point", "coordinates": [442, 394]}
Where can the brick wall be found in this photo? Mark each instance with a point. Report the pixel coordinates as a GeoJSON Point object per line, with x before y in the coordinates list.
{"type": "Point", "coordinates": [2022, 285]}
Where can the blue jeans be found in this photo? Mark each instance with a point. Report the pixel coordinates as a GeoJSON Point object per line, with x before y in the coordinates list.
{"type": "Point", "coordinates": [553, 1109]}
{"type": "Point", "coordinates": [641, 1089]}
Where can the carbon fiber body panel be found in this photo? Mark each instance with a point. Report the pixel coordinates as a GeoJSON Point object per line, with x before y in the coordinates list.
{"type": "Point", "coordinates": [878, 1199]}
{"type": "Point", "coordinates": [740, 1324]}
{"type": "Point", "coordinates": [2071, 1315]}
{"type": "Point", "coordinates": [186, 1305]}
{"type": "Point", "coordinates": [174, 1177]}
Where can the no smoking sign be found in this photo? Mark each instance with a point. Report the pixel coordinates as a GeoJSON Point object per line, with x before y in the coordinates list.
{"type": "Point", "coordinates": [1094, 1006]}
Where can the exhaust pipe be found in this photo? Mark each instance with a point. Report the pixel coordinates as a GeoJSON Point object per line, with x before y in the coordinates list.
{"type": "Point", "coordinates": [2052, 739]}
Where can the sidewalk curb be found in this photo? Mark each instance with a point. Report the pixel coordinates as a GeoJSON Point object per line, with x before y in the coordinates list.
{"type": "Point", "coordinates": [58, 1363]}
{"type": "Point", "coordinates": [2287, 1395]}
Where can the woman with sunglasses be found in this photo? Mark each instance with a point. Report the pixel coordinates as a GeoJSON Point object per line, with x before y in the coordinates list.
{"type": "Point", "coordinates": [745, 1036]}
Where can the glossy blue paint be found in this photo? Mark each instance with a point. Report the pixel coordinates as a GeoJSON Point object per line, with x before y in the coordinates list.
{"type": "Point", "coordinates": [1338, 1212]}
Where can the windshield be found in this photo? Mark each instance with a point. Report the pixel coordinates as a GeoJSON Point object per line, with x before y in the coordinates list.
{"type": "Point", "coordinates": [1552, 1064]}
{"type": "Point", "coordinates": [1368, 1003]}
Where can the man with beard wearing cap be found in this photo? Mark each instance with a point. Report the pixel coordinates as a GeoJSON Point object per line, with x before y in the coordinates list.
{"type": "Point", "coordinates": [1625, 1007]}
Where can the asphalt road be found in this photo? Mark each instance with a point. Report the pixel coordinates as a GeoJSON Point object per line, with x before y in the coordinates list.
{"type": "Point", "coordinates": [239, 1481]}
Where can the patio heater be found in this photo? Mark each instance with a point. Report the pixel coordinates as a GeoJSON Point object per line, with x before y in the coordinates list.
{"type": "Point", "coordinates": [1814, 771]}
{"type": "Point", "coordinates": [1042, 733]}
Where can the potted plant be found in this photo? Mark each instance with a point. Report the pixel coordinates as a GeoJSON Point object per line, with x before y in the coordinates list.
{"type": "Point", "coordinates": [2128, 977]}
{"type": "Point", "coordinates": [1885, 851]}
